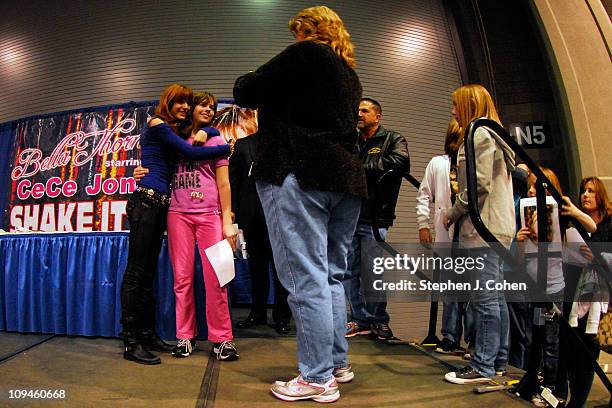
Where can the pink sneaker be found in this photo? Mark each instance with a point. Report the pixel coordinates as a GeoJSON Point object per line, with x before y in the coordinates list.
{"type": "Point", "coordinates": [298, 389]}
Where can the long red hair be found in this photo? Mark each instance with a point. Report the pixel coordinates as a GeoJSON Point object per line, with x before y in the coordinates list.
{"type": "Point", "coordinates": [175, 93]}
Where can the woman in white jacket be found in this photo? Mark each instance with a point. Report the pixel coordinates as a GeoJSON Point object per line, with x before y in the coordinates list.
{"type": "Point", "coordinates": [436, 187]}
{"type": "Point", "coordinates": [439, 187]}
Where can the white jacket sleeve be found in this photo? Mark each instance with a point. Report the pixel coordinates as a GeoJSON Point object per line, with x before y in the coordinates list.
{"type": "Point", "coordinates": [425, 197]}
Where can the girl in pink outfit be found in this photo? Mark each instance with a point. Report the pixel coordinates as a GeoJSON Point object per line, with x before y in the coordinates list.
{"type": "Point", "coordinates": [200, 210]}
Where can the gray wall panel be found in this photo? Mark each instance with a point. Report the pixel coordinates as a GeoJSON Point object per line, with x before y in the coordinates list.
{"type": "Point", "coordinates": [65, 54]}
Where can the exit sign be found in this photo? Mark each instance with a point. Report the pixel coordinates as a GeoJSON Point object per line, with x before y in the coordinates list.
{"type": "Point", "coordinates": [531, 135]}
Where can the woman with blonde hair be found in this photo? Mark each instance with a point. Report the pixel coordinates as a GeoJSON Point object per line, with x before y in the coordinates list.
{"type": "Point", "coordinates": [494, 163]}
{"type": "Point", "coordinates": [310, 181]}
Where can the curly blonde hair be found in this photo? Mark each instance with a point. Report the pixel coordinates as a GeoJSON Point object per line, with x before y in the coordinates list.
{"type": "Point", "coordinates": [322, 25]}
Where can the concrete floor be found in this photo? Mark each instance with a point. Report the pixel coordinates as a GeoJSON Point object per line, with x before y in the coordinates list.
{"type": "Point", "coordinates": [93, 373]}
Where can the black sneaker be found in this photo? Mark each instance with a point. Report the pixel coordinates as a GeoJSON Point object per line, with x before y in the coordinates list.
{"type": "Point", "coordinates": [226, 350]}
{"type": "Point", "coordinates": [465, 375]}
{"type": "Point", "coordinates": [382, 331]}
{"type": "Point", "coordinates": [183, 348]}
{"type": "Point", "coordinates": [446, 346]}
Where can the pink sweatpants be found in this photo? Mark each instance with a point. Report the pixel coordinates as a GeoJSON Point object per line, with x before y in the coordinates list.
{"type": "Point", "coordinates": [183, 230]}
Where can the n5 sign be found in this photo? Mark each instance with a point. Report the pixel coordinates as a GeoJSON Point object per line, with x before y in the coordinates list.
{"type": "Point", "coordinates": [531, 135]}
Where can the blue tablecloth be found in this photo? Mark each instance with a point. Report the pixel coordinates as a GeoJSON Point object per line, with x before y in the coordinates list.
{"type": "Point", "coordinates": [70, 284]}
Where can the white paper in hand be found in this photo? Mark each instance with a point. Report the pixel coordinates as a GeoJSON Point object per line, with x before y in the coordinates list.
{"type": "Point", "coordinates": [221, 258]}
{"type": "Point", "coordinates": [572, 254]}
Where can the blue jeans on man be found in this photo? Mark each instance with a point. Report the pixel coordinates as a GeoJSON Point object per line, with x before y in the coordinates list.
{"type": "Point", "coordinates": [365, 310]}
{"type": "Point", "coordinates": [457, 316]}
{"type": "Point", "coordinates": [310, 232]}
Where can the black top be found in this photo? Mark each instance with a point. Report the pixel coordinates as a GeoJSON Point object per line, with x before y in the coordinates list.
{"type": "Point", "coordinates": [386, 150]}
{"type": "Point", "coordinates": [308, 101]}
{"type": "Point", "coordinates": [245, 201]}
{"type": "Point", "coordinates": [603, 233]}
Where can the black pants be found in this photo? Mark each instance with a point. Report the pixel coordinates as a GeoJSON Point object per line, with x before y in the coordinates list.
{"type": "Point", "coordinates": [520, 333]}
{"type": "Point", "coordinates": [544, 351]}
{"type": "Point", "coordinates": [260, 258]}
{"type": "Point", "coordinates": [576, 367]}
{"type": "Point", "coordinates": [147, 219]}
{"type": "Point", "coordinates": [576, 363]}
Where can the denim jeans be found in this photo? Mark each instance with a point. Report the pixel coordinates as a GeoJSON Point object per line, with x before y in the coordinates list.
{"type": "Point", "coordinates": [491, 316]}
{"type": "Point", "coordinates": [364, 311]}
{"type": "Point", "coordinates": [457, 316]}
{"type": "Point", "coordinates": [147, 225]}
{"type": "Point", "coordinates": [310, 232]}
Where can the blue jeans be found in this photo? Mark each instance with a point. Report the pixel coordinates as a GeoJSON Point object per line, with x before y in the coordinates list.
{"type": "Point", "coordinates": [310, 232]}
{"type": "Point", "coordinates": [455, 317]}
{"type": "Point", "coordinates": [491, 316]}
{"type": "Point", "coordinates": [363, 311]}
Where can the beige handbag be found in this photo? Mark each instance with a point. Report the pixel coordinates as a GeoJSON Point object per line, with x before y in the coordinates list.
{"type": "Point", "coordinates": [604, 333]}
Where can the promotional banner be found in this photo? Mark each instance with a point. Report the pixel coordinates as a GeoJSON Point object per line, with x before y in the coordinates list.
{"type": "Point", "coordinates": [73, 171]}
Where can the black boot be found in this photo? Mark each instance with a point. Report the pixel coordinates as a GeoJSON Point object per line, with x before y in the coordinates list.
{"type": "Point", "coordinates": [135, 352]}
{"type": "Point", "coordinates": [133, 349]}
{"type": "Point", "coordinates": [151, 341]}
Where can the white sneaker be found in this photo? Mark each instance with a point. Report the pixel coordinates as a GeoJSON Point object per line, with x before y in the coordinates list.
{"type": "Point", "coordinates": [298, 389]}
{"type": "Point", "coordinates": [344, 375]}
{"type": "Point", "coordinates": [465, 375]}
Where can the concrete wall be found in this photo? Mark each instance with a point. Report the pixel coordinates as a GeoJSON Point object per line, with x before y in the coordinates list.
{"type": "Point", "coordinates": [578, 36]}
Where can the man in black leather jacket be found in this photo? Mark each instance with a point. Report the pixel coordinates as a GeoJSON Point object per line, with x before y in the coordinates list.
{"type": "Point", "coordinates": [385, 157]}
